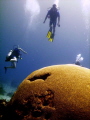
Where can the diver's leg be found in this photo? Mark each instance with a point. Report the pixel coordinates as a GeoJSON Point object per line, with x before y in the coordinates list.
{"type": "Point", "coordinates": [50, 30]}
{"type": "Point", "coordinates": [54, 26]}
{"type": "Point", "coordinates": [13, 63]}
{"type": "Point", "coordinates": [53, 30]}
{"type": "Point", "coordinates": [14, 59]}
{"type": "Point", "coordinates": [50, 26]}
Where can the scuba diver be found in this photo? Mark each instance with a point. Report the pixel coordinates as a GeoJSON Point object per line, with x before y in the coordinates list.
{"type": "Point", "coordinates": [52, 14]}
{"type": "Point", "coordinates": [78, 59]}
{"type": "Point", "coordinates": [13, 57]}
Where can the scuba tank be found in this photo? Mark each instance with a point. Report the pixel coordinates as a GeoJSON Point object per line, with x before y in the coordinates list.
{"type": "Point", "coordinates": [9, 55]}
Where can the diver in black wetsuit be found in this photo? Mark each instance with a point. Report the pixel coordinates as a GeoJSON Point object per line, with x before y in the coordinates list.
{"type": "Point", "coordinates": [53, 14]}
{"type": "Point", "coordinates": [13, 57]}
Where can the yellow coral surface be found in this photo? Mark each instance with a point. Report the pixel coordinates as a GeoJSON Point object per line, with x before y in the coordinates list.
{"type": "Point", "coordinates": [62, 89]}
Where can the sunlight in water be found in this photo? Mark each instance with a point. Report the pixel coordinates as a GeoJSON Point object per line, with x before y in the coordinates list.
{"type": "Point", "coordinates": [32, 9]}
{"type": "Point", "coordinates": [56, 2]}
{"type": "Point", "coordinates": [86, 12]}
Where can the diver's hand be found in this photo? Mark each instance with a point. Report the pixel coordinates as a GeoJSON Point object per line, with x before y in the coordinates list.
{"type": "Point", "coordinates": [58, 25]}
{"type": "Point", "coordinates": [44, 22]}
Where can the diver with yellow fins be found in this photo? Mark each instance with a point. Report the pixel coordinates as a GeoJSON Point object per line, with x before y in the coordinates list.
{"type": "Point", "coordinates": [52, 14]}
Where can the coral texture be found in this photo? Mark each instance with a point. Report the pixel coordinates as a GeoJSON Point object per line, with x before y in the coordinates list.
{"type": "Point", "coordinates": [58, 92]}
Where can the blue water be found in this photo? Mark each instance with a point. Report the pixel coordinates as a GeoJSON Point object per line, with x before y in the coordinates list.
{"type": "Point", "coordinates": [21, 23]}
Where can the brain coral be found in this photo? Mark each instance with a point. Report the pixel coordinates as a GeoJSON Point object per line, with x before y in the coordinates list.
{"type": "Point", "coordinates": [58, 92]}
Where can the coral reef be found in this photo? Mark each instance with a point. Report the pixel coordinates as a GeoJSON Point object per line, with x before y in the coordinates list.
{"type": "Point", "coordinates": [59, 92]}
{"type": "Point", "coordinates": [3, 108]}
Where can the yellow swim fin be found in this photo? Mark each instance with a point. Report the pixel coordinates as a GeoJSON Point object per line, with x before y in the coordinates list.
{"type": "Point", "coordinates": [50, 39]}
{"type": "Point", "coordinates": [49, 34]}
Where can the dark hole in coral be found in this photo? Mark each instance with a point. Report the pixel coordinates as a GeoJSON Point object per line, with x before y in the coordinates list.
{"type": "Point", "coordinates": [46, 102]}
{"type": "Point", "coordinates": [37, 113]}
{"type": "Point", "coordinates": [47, 116]}
{"type": "Point", "coordinates": [44, 77]}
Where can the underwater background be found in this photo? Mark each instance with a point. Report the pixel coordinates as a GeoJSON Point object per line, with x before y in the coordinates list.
{"type": "Point", "coordinates": [21, 23]}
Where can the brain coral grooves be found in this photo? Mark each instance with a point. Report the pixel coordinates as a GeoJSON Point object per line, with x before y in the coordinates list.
{"type": "Point", "coordinates": [58, 92]}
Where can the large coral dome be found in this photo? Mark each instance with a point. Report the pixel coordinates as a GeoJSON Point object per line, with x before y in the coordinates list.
{"type": "Point", "coordinates": [58, 92]}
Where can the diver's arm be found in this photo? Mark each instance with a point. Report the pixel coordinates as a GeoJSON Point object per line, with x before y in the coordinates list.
{"type": "Point", "coordinates": [22, 50]}
{"type": "Point", "coordinates": [46, 17]}
{"type": "Point", "coordinates": [58, 20]}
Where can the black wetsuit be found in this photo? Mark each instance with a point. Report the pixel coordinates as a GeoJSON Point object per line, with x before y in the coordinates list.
{"type": "Point", "coordinates": [15, 53]}
{"type": "Point", "coordinates": [53, 16]}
